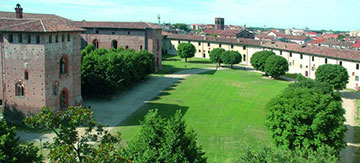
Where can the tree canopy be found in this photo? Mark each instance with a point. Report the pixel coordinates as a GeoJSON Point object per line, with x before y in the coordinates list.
{"type": "Point", "coordinates": [259, 58]}
{"type": "Point", "coordinates": [105, 72]}
{"type": "Point", "coordinates": [95, 145]}
{"type": "Point", "coordinates": [186, 50]}
{"type": "Point", "coordinates": [231, 57]}
{"type": "Point", "coordinates": [333, 74]}
{"type": "Point", "coordinates": [11, 150]}
{"type": "Point", "coordinates": [164, 140]}
{"type": "Point", "coordinates": [276, 65]}
{"type": "Point", "coordinates": [307, 115]}
{"type": "Point", "coordinates": [181, 26]}
{"type": "Point", "coordinates": [215, 55]}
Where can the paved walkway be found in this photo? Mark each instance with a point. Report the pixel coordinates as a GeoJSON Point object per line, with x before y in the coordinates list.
{"type": "Point", "coordinates": [347, 155]}
{"type": "Point", "coordinates": [112, 112]}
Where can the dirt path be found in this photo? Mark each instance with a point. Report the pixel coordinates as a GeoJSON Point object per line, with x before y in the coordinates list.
{"type": "Point", "coordinates": [112, 112]}
{"type": "Point", "coordinates": [347, 155]}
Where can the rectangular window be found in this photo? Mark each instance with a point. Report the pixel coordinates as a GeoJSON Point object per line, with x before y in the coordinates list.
{"type": "Point", "coordinates": [199, 43]}
{"type": "Point", "coordinates": [113, 32]}
{"type": "Point", "coordinates": [29, 39]}
{"type": "Point", "coordinates": [340, 63]}
{"type": "Point", "coordinates": [11, 38]}
{"type": "Point", "coordinates": [289, 63]}
{"type": "Point", "coordinates": [128, 32]}
{"type": "Point", "coordinates": [141, 47]}
{"type": "Point", "coordinates": [26, 75]}
{"type": "Point", "coordinates": [280, 52]}
{"type": "Point", "coordinates": [20, 38]}
{"type": "Point", "coordinates": [62, 38]}
{"type": "Point", "coordinates": [232, 46]}
{"type": "Point", "coordinates": [356, 78]}
{"type": "Point", "coordinates": [97, 31]}
{"type": "Point", "coordinates": [301, 66]}
{"type": "Point", "coordinates": [244, 47]}
{"type": "Point", "coordinates": [37, 39]}
{"type": "Point", "coordinates": [208, 43]}
{"type": "Point", "coordinates": [179, 42]}
{"type": "Point", "coordinates": [325, 60]}
{"type": "Point", "coordinates": [68, 37]}
{"type": "Point", "coordinates": [312, 58]}
{"type": "Point", "coordinates": [244, 57]}
{"type": "Point", "coordinates": [301, 56]}
{"type": "Point", "coordinates": [199, 51]}
{"type": "Point", "coordinates": [290, 54]}
{"type": "Point", "coordinates": [50, 39]}
{"type": "Point", "coordinates": [56, 38]}
{"type": "Point", "coordinates": [357, 66]}
{"type": "Point", "coordinates": [220, 45]}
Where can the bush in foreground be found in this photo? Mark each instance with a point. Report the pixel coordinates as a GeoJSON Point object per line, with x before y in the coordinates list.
{"type": "Point", "coordinates": [307, 115]}
{"type": "Point", "coordinates": [335, 75]}
{"type": "Point", "coordinates": [161, 140]}
{"type": "Point", "coordinates": [11, 150]}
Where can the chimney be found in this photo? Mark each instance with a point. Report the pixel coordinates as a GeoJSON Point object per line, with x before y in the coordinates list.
{"type": "Point", "coordinates": [19, 11]}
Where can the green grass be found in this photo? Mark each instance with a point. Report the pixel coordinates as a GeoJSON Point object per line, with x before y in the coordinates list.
{"type": "Point", "coordinates": [226, 109]}
{"type": "Point", "coordinates": [173, 63]}
{"type": "Point", "coordinates": [357, 128]}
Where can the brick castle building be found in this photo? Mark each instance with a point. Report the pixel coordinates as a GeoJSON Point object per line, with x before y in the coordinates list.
{"type": "Point", "coordinates": [40, 58]}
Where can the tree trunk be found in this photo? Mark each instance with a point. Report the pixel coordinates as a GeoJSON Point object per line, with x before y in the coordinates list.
{"type": "Point", "coordinates": [231, 66]}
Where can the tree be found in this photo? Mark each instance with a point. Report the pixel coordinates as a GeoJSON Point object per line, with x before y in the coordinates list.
{"type": "Point", "coordinates": [11, 150]}
{"type": "Point", "coordinates": [259, 58]}
{"type": "Point", "coordinates": [340, 37]}
{"type": "Point", "coordinates": [307, 116]}
{"type": "Point", "coordinates": [181, 26]}
{"type": "Point", "coordinates": [333, 74]}
{"type": "Point", "coordinates": [231, 57]}
{"type": "Point", "coordinates": [269, 154]}
{"type": "Point", "coordinates": [276, 65]}
{"type": "Point", "coordinates": [213, 34]}
{"type": "Point", "coordinates": [215, 55]}
{"type": "Point", "coordinates": [186, 50]}
{"type": "Point", "coordinates": [162, 140]}
{"type": "Point", "coordinates": [88, 49]}
{"type": "Point", "coordinates": [95, 145]}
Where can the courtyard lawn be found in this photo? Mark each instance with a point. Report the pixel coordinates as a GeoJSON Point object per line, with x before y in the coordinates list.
{"type": "Point", "coordinates": [173, 63]}
{"type": "Point", "coordinates": [226, 108]}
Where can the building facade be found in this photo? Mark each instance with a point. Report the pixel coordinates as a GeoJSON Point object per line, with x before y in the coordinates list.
{"type": "Point", "coordinates": [219, 23]}
{"type": "Point", "coordinates": [40, 64]}
{"type": "Point", "coordinates": [302, 59]}
{"type": "Point", "coordinates": [133, 35]}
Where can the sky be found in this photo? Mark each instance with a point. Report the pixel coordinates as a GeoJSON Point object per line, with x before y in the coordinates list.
{"type": "Point", "coordinates": [314, 14]}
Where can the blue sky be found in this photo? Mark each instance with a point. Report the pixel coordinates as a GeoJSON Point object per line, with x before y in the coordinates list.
{"type": "Point", "coordinates": [315, 14]}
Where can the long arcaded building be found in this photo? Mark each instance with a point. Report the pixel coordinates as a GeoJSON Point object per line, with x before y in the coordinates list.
{"type": "Point", "coordinates": [302, 59]}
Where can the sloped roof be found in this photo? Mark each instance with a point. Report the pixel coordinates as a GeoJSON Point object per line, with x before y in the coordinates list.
{"type": "Point", "coordinates": [34, 16]}
{"type": "Point", "coordinates": [242, 41]}
{"type": "Point", "coordinates": [124, 25]}
{"type": "Point", "coordinates": [34, 25]}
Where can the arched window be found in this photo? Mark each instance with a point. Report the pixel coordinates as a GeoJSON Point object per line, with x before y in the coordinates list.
{"type": "Point", "coordinates": [63, 100]}
{"type": "Point", "coordinates": [19, 89]}
{"type": "Point", "coordinates": [63, 65]}
{"type": "Point", "coordinates": [114, 44]}
{"type": "Point", "coordinates": [96, 43]}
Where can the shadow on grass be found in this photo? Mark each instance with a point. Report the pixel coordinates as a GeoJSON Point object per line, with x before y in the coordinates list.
{"type": "Point", "coordinates": [164, 110]}
{"type": "Point", "coordinates": [200, 62]}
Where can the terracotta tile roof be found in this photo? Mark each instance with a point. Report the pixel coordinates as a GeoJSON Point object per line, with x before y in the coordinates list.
{"type": "Point", "coordinates": [265, 37]}
{"type": "Point", "coordinates": [125, 25]}
{"type": "Point", "coordinates": [337, 43]}
{"type": "Point", "coordinates": [34, 25]}
{"type": "Point", "coordinates": [34, 16]}
{"type": "Point", "coordinates": [292, 37]}
{"type": "Point", "coordinates": [241, 41]}
{"type": "Point", "coordinates": [316, 41]}
{"type": "Point", "coordinates": [316, 50]}
{"type": "Point", "coordinates": [356, 45]}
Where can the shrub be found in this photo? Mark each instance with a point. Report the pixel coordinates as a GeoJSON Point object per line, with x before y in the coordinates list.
{"type": "Point", "coordinates": [276, 65]}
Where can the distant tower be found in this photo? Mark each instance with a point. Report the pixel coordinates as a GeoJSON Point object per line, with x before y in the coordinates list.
{"type": "Point", "coordinates": [219, 23]}
{"type": "Point", "coordinates": [158, 18]}
{"type": "Point", "coordinates": [19, 11]}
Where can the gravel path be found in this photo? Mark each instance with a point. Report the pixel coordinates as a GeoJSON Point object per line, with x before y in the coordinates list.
{"type": "Point", "coordinates": [347, 155]}
{"type": "Point", "coordinates": [112, 112]}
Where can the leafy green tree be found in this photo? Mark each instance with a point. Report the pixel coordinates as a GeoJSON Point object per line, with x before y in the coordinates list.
{"type": "Point", "coordinates": [307, 116]}
{"type": "Point", "coordinates": [162, 140]}
{"type": "Point", "coordinates": [333, 74]}
{"type": "Point", "coordinates": [215, 55]}
{"type": "Point", "coordinates": [88, 49]}
{"type": "Point", "coordinates": [213, 34]}
{"type": "Point", "coordinates": [12, 151]}
{"type": "Point", "coordinates": [340, 37]}
{"type": "Point", "coordinates": [181, 26]}
{"type": "Point", "coordinates": [268, 154]}
{"type": "Point", "coordinates": [276, 65]}
{"type": "Point", "coordinates": [259, 58]}
{"type": "Point", "coordinates": [95, 144]}
{"type": "Point", "coordinates": [186, 50]}
{"type": "Point", "coordinates": [231, 57]}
